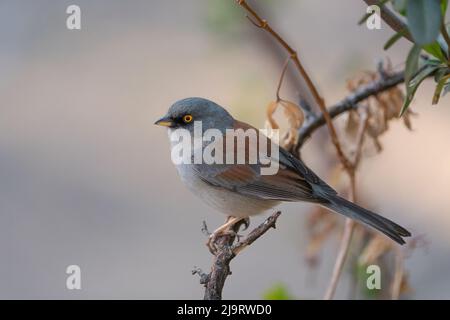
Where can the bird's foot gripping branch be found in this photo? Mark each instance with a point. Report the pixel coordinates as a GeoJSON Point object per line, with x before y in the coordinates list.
{"type": "Point", "coordinates": [226, 249]}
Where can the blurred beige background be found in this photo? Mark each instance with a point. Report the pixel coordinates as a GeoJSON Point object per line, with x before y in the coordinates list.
{"type": "Point", "coordinates": [86, 177]}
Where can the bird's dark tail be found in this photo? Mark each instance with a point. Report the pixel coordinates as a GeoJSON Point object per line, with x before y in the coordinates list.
{"type": "Point", "coordinates": [355, 212]}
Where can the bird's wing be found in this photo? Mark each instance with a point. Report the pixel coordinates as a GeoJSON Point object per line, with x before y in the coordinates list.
{"type": "Point", "coordinates": [293, 181]}
{"type": "Point", "coordinates": [247, 180]}
{"type": "Point", "coordinates": [301, 169]}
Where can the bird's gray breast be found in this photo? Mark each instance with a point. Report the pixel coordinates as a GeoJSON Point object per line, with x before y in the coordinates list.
{"type": "Point", "coordinates": [228, 202]}
{"type": "Point", "coordinates": [222, 199]}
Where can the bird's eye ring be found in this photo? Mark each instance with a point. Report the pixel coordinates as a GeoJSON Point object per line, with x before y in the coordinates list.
{"type": "Point", "coordinates": [187, 118]}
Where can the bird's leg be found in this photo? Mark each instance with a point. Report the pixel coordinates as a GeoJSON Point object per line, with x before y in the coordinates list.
{"type": "Point", "coordinates": [224, 229]}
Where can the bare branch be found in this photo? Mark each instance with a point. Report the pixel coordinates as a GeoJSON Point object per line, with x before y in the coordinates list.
{"type": "Point", "coordinates": [364, 121]}
{"type": "Point", "coordinates": [348, 103]}
{"type": "Point", "coordinates": [256, 233]}
{"type": "Point", "coordinates": [220, 270]}
{"type": "Point", "coordinates": [398, 275]}
{"type": "Point", "coordinates": [349, 223]}
{"type": "Point", "coordinates": [340, 260]}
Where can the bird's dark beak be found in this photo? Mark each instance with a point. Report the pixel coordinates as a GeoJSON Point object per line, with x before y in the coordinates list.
{"type": "Point", "coordinates": [165, 122]}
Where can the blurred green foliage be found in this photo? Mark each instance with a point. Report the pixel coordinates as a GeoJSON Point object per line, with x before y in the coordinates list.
{"type": "Point", "coordinates": [224, 17]}
{"type": "Point", "coordinates": [278, 291]}
{"type": "Point", "coordinates": [425, 22]}
{"type": "Point", "coordinates": [361, 277]}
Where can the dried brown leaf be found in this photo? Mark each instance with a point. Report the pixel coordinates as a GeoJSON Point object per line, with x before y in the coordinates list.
{"type": "Point", "coordinates": [295, 120]}
{"type": "Point", "coordinates": [405, 286]}
{"type": "Point", "coordinates": [270, 110]}
{"type": "Point", "coordinates": [352, 124]}
{"type": "Point", "coordinates": [382, 108]}
{"type": "Point", "coordinates": [376, 247]}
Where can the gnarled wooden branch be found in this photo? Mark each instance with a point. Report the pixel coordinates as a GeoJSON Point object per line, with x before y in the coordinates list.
{"type": "Point", "coordinates": [226, 251]}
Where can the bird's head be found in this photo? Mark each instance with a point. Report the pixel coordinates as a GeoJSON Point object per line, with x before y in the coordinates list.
{"type": "Point", "coordinates": [184, 113]}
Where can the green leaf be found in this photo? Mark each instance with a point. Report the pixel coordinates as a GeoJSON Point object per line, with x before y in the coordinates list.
{"type": "Point", "coordinates": [435, 62]}
{"type": "Point", "coordinates": [412, 63]}
{"type": "Point", "coordinates": [446, 89]}
{"type": "Point", "coordinates": [399, 6]}
{"type": "Point", "coordinates": [444, 5]}
{"type": "Point", "coordinates": [443, 43]}
{"type": "Point", "coordinates": [413, 84]}
{"type": "Point", "coordinates": [393, 39]}
{"type": "Point", "coordinates": [277, 292]}
{"type": "Point", "coordinates": [364, 18]}
{"type": "Point", "coordinates": [424, 20]}
{"type": "Point", "coordinates": [440, 73]}
{"type": "Point", "coordinates": [435, 50]}
{"type": "Point", "coordinates": [439, 87]}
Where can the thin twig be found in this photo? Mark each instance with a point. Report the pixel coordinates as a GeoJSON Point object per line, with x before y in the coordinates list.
{"type": "Point", "coordinates": [349, 223]}
{"type": "Point", "coordinates": [280, 82]}
{"type": "Point", "coordinates": [364, 122]}
{"type": "Point", "coordinates": [263, 24]}
{"type": "Point", "coordinates": [343, 248]}
{"type": "Point", "coordinates": [204, 277]}
{"type": "Point", "coordinates": [342, 255]}
{"type": "Point", "coordinates": [398, 275]}
{"type": "Point", "coordinates": [256, 233]}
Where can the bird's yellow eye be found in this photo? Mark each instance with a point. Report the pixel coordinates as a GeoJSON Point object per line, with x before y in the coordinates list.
{"type": "Point", "coordinates": [187, 118]}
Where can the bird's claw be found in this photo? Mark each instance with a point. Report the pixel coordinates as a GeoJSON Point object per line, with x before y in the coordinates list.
{"type": "Point", "coordinates": [230, 228]}
{"type": "Point", "coordinates": [212, 239]}
{"type": "Point", "coordinates": [211, 244]}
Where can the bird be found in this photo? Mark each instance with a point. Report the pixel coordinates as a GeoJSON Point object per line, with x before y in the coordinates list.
{"type": "Point", "coordinates": [240, 190]}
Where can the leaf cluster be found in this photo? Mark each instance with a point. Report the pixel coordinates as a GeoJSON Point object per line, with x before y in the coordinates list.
{"type": "Point", "coordinates": [430, 52]}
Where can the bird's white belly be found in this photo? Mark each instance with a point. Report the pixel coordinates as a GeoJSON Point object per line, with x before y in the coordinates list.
{"type": "Point", "coordinates": [227, 202]}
